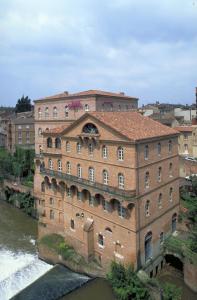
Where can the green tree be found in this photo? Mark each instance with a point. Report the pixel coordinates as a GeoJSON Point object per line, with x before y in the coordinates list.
{"type": "Point", "coordinates": [23, 104]}
{"type": "Point", "coordinates": [171, 292]}
{"type": "Point", "coordinates": [126, 284]}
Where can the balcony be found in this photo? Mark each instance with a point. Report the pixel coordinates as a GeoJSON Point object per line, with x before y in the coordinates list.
{"type": "Point", "coordinates": [99, 187]}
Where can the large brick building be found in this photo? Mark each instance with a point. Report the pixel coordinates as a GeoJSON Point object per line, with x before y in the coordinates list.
{"type": "Point", "coordinates": [109, 183]}
{"type": "Point", "coordinates": [64, 108]}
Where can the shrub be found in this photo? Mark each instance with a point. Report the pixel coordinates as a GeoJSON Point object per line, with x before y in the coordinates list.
{"type": "Point", "coordinates": [171, 292]}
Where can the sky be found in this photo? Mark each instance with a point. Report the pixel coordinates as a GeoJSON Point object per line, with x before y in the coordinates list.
{"type": "Point", "coordinates": [145, 48]}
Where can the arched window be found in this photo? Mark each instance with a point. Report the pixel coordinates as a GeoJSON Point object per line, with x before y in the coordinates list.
{"type": "Point", "coordinates": [58, 143]}
{"type": "Point", "coordinates": [43, 187]}
{"type": "Point", "coordinates": [170, 146]}
{"type": "Point", "coordinates": [39, 131]}
{"type": "Point", "coordinates": [104, 151]}
{"type": "Point", "coordinates": [91, 174]}
{"type": "Point", "coordinates": [159, 174]}
{"type": "Point", "coordinates": [55, 112]}
{"type": "Point", "coordinates": [86, 107]}
{"type": "Point", "coordinates": [174, 221]}
{"type": "Point", "coordinates": [121, 210]}
{"type": "Point", "coordinates": [72, 224]}
{"type": "Point", "coordinates": [68, 146]}
{"type": "Point", "coordinates": [160, 200]}
{"type": "Point", "coordinates": [90, 149]}
{"type": "Point", "coordinates": [52, 214]}
{"type": "Point", "coordinates": [147, 180]}
{"type": "Point", "coordinates": [50, 164]}
{"type": "Point", "coordinates": [46, 112]}
{"type": "Point", "coordinates": [78, 147]}
{"type": "Point", "coordinates": [108, 229]}
{"type": "Point", "coordinates": [49, 142]}
{"type": "Point", "coordinates": [121, 181]}
{"type": "Point", "coordinates": [90, 129]}
{"type": "Point", "coordinates": [79, 171]}
{"type": "Point", "coordinates": [59, 165]}
{"type": "Point", "coordinates": [100, 240]}
{"type": "Point", "coordinates": [146, 152]}
{"type": "Point", "coordinates": [159, 148]}
{"type": "Point", "coordinates": [148, 246]}
{"type": "Point", "coordinates": [170, 170]}
{"type": "Point", "coordinates": [105, 177]}
{"type": "Point", "coordinates": [66, 111]}
{"type": "Point", "coordinates": [147, 208]}
{"type": "Point", "coordinates": [120, 153]}
{"type": "Point", "coordinates": [39, 113]}
{"type": "Point", "coordinates": [68, 167]}
{"type": "Point", "coordinates": [171, 194]}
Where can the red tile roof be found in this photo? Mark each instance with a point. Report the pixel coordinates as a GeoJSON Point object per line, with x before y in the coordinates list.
{"type": "Point", "coordinates": [133, 125]}
{"type": "Point", "coordinates": [88, 93]}
{"type": "Point", "coordinates": [184, 128]}
{"type": "Point", "coordinates": [56, 129]}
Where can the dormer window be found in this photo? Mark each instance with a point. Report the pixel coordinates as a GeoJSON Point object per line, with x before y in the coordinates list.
{"type": "Point", "coordinates": [90, 128]}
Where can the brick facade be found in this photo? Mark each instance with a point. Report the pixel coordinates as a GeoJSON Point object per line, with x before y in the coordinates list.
{"type": "Point", "coordinates": [108, 214]}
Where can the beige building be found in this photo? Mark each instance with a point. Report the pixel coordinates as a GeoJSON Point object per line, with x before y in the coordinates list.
{"type": "Point", "coordinates": [187, 140]}
{"type": "Point", "coordinates": [109, 183]}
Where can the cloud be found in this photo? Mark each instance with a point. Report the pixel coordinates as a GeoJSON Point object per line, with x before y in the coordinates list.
{"type": "Point", "coordinates": [145, 48]}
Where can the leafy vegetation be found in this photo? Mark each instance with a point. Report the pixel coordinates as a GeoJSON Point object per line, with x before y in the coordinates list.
{"type": "Point", "coordinates": [126, 284]}
{"type": "Point", "coordinates": [23, 104]}
{"type": "Point", "coordinates": [171, 292]}
{"type": "Point", "coordinates": [56, 243]}
{"type": "Point", "coordinates": [19, 165]}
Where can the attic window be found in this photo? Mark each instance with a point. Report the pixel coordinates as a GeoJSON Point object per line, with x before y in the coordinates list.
{"type": "Point", "coordinates": [90, 129]}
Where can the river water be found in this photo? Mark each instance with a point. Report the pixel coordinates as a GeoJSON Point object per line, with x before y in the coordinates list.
{"type": "Point", "coordinates": [19, 263]}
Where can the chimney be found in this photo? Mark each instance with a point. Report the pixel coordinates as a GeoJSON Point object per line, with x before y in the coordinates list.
{"type": "Point", "coordinates": [66, 93]}
{"type": "Point", "coordinates": [122, 93]}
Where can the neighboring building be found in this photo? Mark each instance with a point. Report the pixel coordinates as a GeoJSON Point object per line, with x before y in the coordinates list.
{"type": "Point", "coordinates": [21, 131]}
{"type": "Point", "coordinates": [165, 119]}
{"type": "Point", "coordinates": [63, 109]}
{"type": "Point", "coordinates": [109, 183]}
{"type": "Point", "coordinates": [3, 137]}
{"type": "Point", "coordinates": [187, 140]}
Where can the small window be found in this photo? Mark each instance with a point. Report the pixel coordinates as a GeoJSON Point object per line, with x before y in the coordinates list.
{"type": "Point", "coordinates": [72, 224]}
{"type": "Point", "coordinates": [121, 211]}
{"type": "Point", "coordinates": [59, 165]}
{"type": "Point", "coordinates": [49, 142]}
{"type": "Point", "coordinates": [46, 112]}
{"type": "Point", "coordinates": [148, 245]}
{"type": "Point", "coordinates": [66, 111]}
{"type": "Point", "coordinates": [90, 149]}
{"type": "Point", "coordinates": [147, 180]}
{"type": "Point", "coordinates": [68, 148]}
{"type": "Point", "coordinates": [159, 149]}
{"type": "Point", "coordinates": [146, 152]}
{"type": "Point", "coordinates": [79, 171]}
{"type": "Point", "coordinates": [159, 174]}
{"type": "Point", "coordinates": [39, 114]}
{"type": "Point", "coordinates": [52, 215]}
{"type": "Point", "coordinates": [121, 181]}
{"type": "Point", "coordinates": [91, 174]}
{"type": "Point", "coordinates": [50, 164]}
{"type": "Point", "coordinates": [161, 238]}
{"type": "Point", "coordinates": [105, 177]}
{"type": "Point", "coordinates": [171, 194]}
{"type": "Point", "coordinates": [78, 147]}
{"type": "Point", "coordinates": [68, 192]}
{"type": "Point", "coordinates": [86, 107]}
{"type": "Point", "coordinates": [120, 153]}
{"type": "Point", "coordinates": [174, 222]}
{"type": "Point", "coordinates": [39, 131]}
{"type": "Point", "coordinates": [55, 112]}
{"type": "Point", "coordinates": [104, 151]}
{"type": "Point", "coordinates": [170, 170]}
{"type": "Point", "coordinates": [147, 208]}
{"type": "Point", "coordinates": [160, 200]}
{"type": "Point", "coordinates": [170, 146]}
{"type": "Point", "coordinates": [68, 167]}
{"type": "Point", "coordinates": [100, 240]}
{"type": "Point", "coordinates": [58, 143]}
{"type": "Point", "coordinates": [51, 201]}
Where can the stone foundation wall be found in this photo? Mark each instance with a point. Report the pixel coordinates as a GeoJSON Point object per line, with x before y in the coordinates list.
{"type": "Point", "coordinates": [190, 276]}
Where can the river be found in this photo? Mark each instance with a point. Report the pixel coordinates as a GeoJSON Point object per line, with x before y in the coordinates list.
{"type": "Point", "coordinates": [19, 263]}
